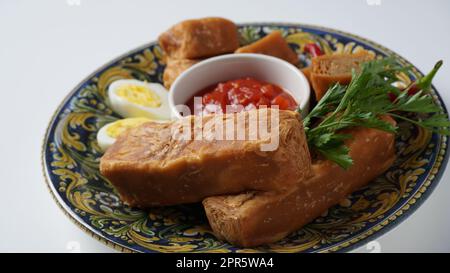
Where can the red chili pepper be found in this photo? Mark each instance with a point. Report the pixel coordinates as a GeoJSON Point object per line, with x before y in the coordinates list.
{"type": "Point", "coordinates": [421, 84]}
{"type": "Point", "coordinates": [424, 83]}
{"type": "Point", "coordinates": [413, 90]}
{"type": "Point", "coordinates": [313, 49]}
{"type": "Point", "coordinates": [392, 96]}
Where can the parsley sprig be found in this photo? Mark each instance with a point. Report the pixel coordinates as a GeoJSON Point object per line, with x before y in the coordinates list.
{"type": "Point", "coordinates": [363, 101]}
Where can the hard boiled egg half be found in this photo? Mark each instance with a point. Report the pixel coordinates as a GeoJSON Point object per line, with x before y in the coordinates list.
{"type": "Point", "coordinates": [108, 134]}
{"type": "Point", "coordinates": [134, 98]}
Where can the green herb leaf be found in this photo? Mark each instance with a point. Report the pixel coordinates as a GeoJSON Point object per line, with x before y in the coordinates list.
{"type": "Point", "coordinates": [362, 102]}
{"type": "Point", "coordinates": [339, 155]}
{"type": "Point", "coordinates": [418, 103]}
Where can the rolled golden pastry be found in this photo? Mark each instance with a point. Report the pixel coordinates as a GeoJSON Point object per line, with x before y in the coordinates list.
{"type": "Point", "coordinates": [200, 38]}
{"type": "Point", "coordinates": [174, 68]}
{"type": "Point", "coordinates": [256, 218]}
{"type": "Point", "coordinates": [149, 166]}
{"type": "Point", "coordinates": [272, 44]}
{"type": "Point", "coordinates": [307, 72]}
{"type": "Point", "coordinates": [327, 70]}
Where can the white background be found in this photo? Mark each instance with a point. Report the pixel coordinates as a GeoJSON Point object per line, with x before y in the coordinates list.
{"type": "Point", "coordinates": [47, 47]}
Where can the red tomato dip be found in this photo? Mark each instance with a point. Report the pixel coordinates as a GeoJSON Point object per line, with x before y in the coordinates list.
{"type": "Point", "coordinates": [248, 92]}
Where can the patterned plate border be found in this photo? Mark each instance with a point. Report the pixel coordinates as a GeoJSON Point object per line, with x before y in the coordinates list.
{"type": "Point", "coordinates": [392, 220]}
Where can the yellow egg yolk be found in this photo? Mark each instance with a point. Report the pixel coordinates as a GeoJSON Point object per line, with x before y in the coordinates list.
{"type": "Point", "coordinates": [141, 95]}
{"type": "Point", "coordinates": [118, 127]}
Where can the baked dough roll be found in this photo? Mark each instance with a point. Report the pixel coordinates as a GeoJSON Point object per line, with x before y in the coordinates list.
{"type": "Point", "coordinates": [150, 165]}
{"type": "Point", "coordinates": [174, 68]}
{"type": "Point", "coordinates": [255, 218]}
{"type": "Point", "coordinates": [200, 38]}
{"type": "Point", "coordinates": [307, 72]}
{"type": "Point", "coordinates": [327, 70]}
{"type": "Point", "coordinates": [274, 45]}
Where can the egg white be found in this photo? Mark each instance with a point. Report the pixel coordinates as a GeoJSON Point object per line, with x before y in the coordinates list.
{"type": "Point", "coordinates": [129, 109]}
{"type": "Point", "coordinates": [105, 140]}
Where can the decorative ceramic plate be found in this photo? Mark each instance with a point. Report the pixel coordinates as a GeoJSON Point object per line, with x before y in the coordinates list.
{"type": "Point", "coordinates": [71, 165]}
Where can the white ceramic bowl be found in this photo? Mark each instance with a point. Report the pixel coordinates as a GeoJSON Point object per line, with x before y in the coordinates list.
{"type": "Point", "coordinates": [234, 66]}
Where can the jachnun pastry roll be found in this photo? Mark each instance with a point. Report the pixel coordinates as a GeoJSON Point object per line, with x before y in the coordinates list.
{"type": "Point", "coordinates": [255, 218]}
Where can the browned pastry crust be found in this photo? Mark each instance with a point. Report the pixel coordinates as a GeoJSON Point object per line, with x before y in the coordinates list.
{"type": "Point", "coordinates": [149, 167]}
{"type": "Point", "coordinates": [174, 68]}
{"type": "Point", "coordinates": [327, 70]}
{"type": "Point", "coordinates": [200, 38]}
{"type": "Point", "coordinates": [307, 72]}
{"type": "Point", "coordinates": [255, 218]}
{"type": "Point", "coordinates": [273, 45]}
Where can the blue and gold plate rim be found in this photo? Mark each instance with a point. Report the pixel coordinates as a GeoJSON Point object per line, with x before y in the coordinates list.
{"type": "Point", "coordinates": [435, 168]}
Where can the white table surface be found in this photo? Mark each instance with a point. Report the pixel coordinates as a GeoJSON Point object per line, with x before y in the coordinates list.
{"type": "Point", "coordinates": [47, 47]}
